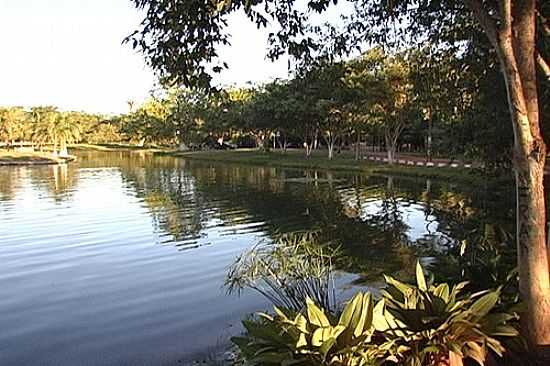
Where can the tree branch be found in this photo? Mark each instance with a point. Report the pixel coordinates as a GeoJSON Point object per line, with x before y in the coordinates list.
{"type": "Point", "coordinates": [543, 65]}
{"type": "Point", "coordinates": [484, 19]}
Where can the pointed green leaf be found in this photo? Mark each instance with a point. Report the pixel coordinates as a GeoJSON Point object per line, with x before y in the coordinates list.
{"type": "Point", "coordinates": [302, 341]}
{"type": "Point", "coordinates": [320, 335]}
{"type": "Point", "coordinates": [365, 320]}
{"type": "Point", "coordinates": [301, 323]}
{"type": "Point", "coordinates": [316, 316]}
{"type": "Point", "coordinates": [484, 304]}
{"type": "Point", "coordinates": [350, 309]}
{"type": "Point", "coordinates": [420, 279]}
{"type": "Point", "coordinates": [326, 346]}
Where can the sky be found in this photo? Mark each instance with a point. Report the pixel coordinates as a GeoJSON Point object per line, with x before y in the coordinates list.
{"type": "Point", "coordinates": [68, 53]}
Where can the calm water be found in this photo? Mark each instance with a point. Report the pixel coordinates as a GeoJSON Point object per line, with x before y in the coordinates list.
{"type": "Point", "coordinates": [120, 258]}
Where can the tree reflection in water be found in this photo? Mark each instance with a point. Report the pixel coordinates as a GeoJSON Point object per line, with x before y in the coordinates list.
{"type": "Point", "coordinates": [383, 223]}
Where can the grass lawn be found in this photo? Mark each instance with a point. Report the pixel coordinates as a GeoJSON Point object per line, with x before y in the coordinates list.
{"type": "Point", "coordinates": [28, 158]}
{"type": "Point", "coordinates": [318, 160]}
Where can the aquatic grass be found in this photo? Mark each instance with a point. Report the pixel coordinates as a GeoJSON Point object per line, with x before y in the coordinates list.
{"type": "Point", "coordinates": [287, 272]}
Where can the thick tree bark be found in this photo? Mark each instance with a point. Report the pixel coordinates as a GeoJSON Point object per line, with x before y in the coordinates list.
{"type": "Point", "coordinates": [514, 40]}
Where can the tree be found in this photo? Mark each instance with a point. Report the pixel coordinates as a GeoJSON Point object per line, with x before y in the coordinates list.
{"type": "Point", "coordinates": [187, 116]}
{"type": "Point", "coordinates": [12, 124]}
{"type": "Point", "coordinates": [395, 101]}
{"type": "Point", "coordinates": [276, 107]}
{"type": "Point", "coordinates": [44, 126]}
{"type": "Point", "coordinates": [149, 122]}
{"type": "Point", "coordinates": [68, 129]}
{"type": "Point", "coordinates": [327, 86]}
{"type": "Point", "coordinates": [180, 38]}
{"type": "Point", "coordinates": [383, 87]}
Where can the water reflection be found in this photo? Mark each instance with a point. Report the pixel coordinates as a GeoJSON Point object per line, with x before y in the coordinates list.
{"type": "Point", "coordinates": [188, 200]}
{"type": "Point", "coordinates": [133, 249]}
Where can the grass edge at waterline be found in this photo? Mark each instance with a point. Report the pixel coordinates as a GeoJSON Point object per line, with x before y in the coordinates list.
{"type": "Point", "coordinates": [341, 162]}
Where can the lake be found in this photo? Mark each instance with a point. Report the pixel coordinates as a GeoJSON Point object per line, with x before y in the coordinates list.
{"type": "Point", "coordinates": [120, 259]}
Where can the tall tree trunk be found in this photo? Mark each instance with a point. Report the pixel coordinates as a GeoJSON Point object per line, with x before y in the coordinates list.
{"type": "Point", "coordinates": [330, 146]}
{"type": "Point", "coordinates": [429, 141]}
{"type": "Point", "coordinates": [63, 149]}
{"type": "Point", "coordinates": [514, 40]}
{"type": "Point", "coordinates": [358, 146]}
{"type": "Point", "coordinates": [54, 152]}
{"type": "Point", "coordinates": [390, 149]}
{"type": "Point", "coordinates": [518, 65]}
{"type": "Point", "coordinates": [316, 141]}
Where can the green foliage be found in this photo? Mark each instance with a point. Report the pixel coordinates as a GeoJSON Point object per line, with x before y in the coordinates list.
{"type": "Point", "coordinates": [294, 268]}
{"type": "Point", "coordinates": [427, 323]}
{"type": "Point", "coordinates": [12, 124]}
{"type": "Point", "coordinates": [422, 324]}
{"type": "Point", "coordinates": [312, 337]}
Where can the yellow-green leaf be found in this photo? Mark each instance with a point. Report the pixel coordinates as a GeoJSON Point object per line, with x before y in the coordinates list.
{"type": "Point", "coordinates": [484, 304]}
{"type": "Point", "coordinates": [320, 335]}
{"type": "Point", "coordinates": [420, 279]}
{"type": "Point", "coordinates": [302, 341]}
{"type": "Point", "coordinates": [316, 316]}
{"type": "Point", "coordinates": [350, 309]}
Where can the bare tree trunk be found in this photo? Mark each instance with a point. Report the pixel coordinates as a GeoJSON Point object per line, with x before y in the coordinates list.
{"type": "Point", "coordinates": [54, 152]}
{"type": "Point", "coordinates": [309, 149]}
{"type": "Point", "coordinates": [514, 40]}
{"type": "Point", "coordinates": [358, 146]}
{"type": "Point", "coordinates": [316, 141]}
{"type": "Point", "coordinates": [429, 141]}
{"type": "Point", "coordinates": [63, 149]}
{"type": "Point", "coordinates": [330, 146]}
{"type": "Point", "coordinates": [390, 149]}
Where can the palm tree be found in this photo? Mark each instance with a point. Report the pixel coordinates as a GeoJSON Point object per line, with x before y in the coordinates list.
{"type": "Point", "coordinates": [44, 130]}
{"type": "Point", "coordinates": [68, 130]}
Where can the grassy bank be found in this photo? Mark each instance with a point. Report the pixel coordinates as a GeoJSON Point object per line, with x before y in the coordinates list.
{"type": "Point", "coordinates": [344, 161]}
{"type": "Point", "coordinates": [30, 158]}
{"type": "Point", "coordinates": [119, 147]}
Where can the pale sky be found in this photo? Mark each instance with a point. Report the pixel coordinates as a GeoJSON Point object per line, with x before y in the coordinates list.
{"type": "Point", "coordinates": [68, 53]}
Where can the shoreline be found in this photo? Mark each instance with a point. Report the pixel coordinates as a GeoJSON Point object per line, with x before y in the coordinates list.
{"type": "Point", "coordinates": [345, 162]}
{"type": "Point", "coordinates": [14, 158]}
{"type": "Point", "coordinates": [295, 159]}
{"type": "Point", "coordinates": [120, 147]}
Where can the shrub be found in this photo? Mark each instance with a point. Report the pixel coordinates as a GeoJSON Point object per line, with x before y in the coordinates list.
{"type": "Point", "coordinates": [439, 324]}
{"type": "Point", "coordinates": [413, 325]}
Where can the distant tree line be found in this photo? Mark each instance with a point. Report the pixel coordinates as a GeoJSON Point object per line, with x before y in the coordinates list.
{"type": "Point", "coordinates": [418, 100]}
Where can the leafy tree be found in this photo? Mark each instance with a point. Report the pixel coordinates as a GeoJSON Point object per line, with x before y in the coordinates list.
{"type": "Point", "coordinates": [180, 38]}
{"type": "Point", "coordinates": [67, 129]}
{"type": "Point", "coordinates": [12, 124]}
{"type": "Point", "coordinates": [187, 116]}
{"type": "Point", "coordinates": [149, 122]}
{"type": "Point", "coordinates": [45, 121]}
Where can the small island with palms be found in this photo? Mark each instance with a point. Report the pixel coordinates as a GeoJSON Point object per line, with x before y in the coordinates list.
{"type": "Point", "coordinates": [37, 137]}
